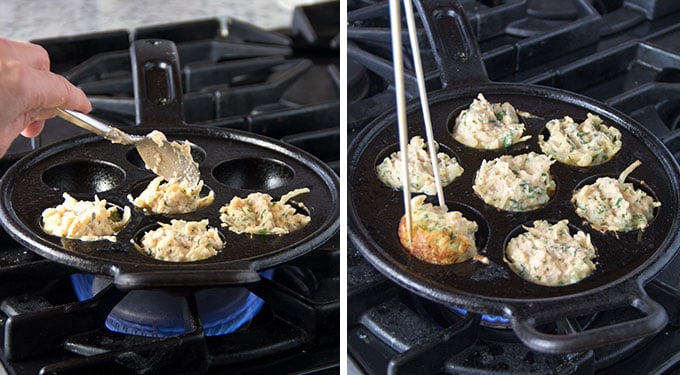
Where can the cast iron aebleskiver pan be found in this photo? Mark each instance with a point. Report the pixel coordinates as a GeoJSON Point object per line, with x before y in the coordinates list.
{"type": "Point", "coordinates": [232, 163]}
{"type": "Point", "coordinates": [625, 262]}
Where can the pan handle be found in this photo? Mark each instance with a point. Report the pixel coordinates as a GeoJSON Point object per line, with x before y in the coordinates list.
{"type": "Point", "coordinates": [157, 83]}
{"type": "Point", "coordinates": [178, 277]}
{"type": "Point", "coordinates": [654, 320]}
{"type": "Point", "coordinates": [453, 43]}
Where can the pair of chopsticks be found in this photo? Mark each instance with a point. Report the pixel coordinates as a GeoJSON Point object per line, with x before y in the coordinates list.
{"type": "Point", "coordinates": [397, 56]}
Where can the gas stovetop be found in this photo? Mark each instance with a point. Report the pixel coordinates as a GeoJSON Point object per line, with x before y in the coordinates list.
{"type": "Point", "coordinates": [283, 84]}
{"type": "Point", "coordinates": [625, 53]}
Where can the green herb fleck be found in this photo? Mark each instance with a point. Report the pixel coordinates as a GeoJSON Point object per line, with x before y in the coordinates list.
{"type": "Point", "coordinates": [618, 202]}
{"type": "Point", "coordinates": [507, 140]}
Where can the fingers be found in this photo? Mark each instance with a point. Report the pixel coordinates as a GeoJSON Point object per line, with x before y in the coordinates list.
{"type": "Point", "coordinates": [33, 95]}
{"type": "Point", "coordinates": [9, 132]}
{"type": "Point", "coordinates": [33, 129]}
{"type": "Point", "coordinates": [32, 55]}
{"type": "Point", "coordinates": [46, 91]}
{"type": "Point", "coordinates": [30, 92]}
{"type": "Point", "coordinates": [52, 91]}
{"type": "Point", "coordinates": [39, 114]}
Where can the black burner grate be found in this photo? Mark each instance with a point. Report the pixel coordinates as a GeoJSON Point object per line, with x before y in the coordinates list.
{"type": "Point", "coordinates": [297, 327]}
{"type": "Point", "coordinates": [622, 52]}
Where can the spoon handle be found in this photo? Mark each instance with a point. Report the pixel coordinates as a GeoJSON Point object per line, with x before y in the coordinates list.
{"type": "Point", "coordinates": [95, 126]}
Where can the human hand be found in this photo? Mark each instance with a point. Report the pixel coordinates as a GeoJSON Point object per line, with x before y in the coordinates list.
{"type": "Point", "coordinates": [29, 92]}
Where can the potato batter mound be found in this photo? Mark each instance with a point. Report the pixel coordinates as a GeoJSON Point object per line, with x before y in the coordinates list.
{"type": "Point", "coordinates": [84, 220]}
{"type": "Point", "coordinates": [586, 144]}
{"type": "Point", "coordinates": [421, 176]}
{"type": "Point", "coordinates": [438, 236]}
{"type": "Point", "coordinates": [173, 197]}
{"type": "Point", "coordinates": [515, 183]}
{"type": "Point", "coordinates": [181, 151]}
{"type": "Point", "coordinates": [258, 214]}
{"type": "Point", "coordinates": [489, 126]}
{"type": "Point", "coordinates": [615, 205]}
{"type": "Point", "coordinates": [548, 254]}
{"type": "Point", "coordinates": [181, 241]}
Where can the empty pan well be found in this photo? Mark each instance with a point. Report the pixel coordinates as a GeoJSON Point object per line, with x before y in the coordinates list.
{"type": "Point", "coordinates": [253, 173]}
{"type": "Point", "coordinates": [84, 176]}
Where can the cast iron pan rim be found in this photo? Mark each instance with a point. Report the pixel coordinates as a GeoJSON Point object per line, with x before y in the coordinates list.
{"type": "Point", "coordinates": [483, 304]}
{"type": "Point", "coordinates": [102, 265]}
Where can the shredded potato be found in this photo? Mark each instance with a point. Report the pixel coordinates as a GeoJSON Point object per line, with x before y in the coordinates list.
{"type": "Point", "coordinates": [173, 197]}
{"type": "Point", "coordinates": [421, 176]}
{"type": "Point", "coordinates": [258, 214]}
{"type": "Point", "coordinates": [586, 144]}
{"type": "Point", "coordinates": [548, 254]}
{"type": "Point", "coordinates": [487, 125]}
{"type": "Point", "coordinates": [615, 205]}
{"type": "Point", "coordinates": [516, 183]}
{"type": "Point", "coordinates": [84, 220]}
{"type": "Point", "coordinates": [438, 236]}
{"type": "Point", "coordinates": [181, 241]}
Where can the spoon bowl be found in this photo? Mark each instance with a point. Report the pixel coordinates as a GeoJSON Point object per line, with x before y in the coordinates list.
{"type": "Point", "coordinates": [167, 159]}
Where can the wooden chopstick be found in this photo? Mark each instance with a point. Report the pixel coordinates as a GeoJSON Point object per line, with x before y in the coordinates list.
{"type": "Point", "coordinates": [397, 57]}
{"type": "Point", "coordinates": [422, 91]}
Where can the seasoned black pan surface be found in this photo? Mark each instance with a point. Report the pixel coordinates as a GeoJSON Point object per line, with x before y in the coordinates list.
{"type": "Point", "coordinates": [378, 208]}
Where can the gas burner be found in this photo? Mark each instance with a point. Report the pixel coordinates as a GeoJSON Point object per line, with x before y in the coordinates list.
{"type": "Point", "coordinates": [155, 313]}
{"type": "Point", "coordinates": [392, 328]}
{"type": "Point", "coordinates": [403, 332]}
{"type": "Point", "coordinates": [494, 321]}
{"type": "Point", "coordinates": [295, 330]}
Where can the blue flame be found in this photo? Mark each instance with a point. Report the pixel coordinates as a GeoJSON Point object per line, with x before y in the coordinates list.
{"type": "Point", "coordinates": [160, 314]}
{"type": "Point", "coordinates": [485, 317]}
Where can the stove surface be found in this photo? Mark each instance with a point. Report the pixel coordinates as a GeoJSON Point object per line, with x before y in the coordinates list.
{"type": "Point", "coordinates": [282, 84]}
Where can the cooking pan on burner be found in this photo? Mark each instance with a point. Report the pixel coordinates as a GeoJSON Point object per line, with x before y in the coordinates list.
{"type": "Point", "coordinates": [232, 163]}
{"type": "Point", "coordinates": [625, 261]}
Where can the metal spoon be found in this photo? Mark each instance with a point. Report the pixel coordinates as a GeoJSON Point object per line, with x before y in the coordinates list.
{"type": "Point", "coordinates": [164, 158]}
